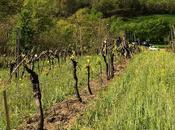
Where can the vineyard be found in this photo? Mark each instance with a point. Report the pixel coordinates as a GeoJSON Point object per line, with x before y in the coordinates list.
{"type": "Point", "coordinates": [87, 65]}
{"type": "Point", "coordinates": [56, 85]}
{"type": "Point", "coordinates": [54, 79]}
{"type": "Point", "coordinates": [139, 98]}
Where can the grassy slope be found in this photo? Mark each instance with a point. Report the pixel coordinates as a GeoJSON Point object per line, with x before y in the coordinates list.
{"type": "Point", "coordinates": [142, 98]}
{"type": "Point", "coordinates": [56, 86]}
{"type": "Point", "coordinates": [168, 18]}
{"type": "Point", "coordinates": [141, 19]}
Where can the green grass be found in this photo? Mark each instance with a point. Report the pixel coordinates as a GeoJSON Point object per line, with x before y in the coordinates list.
{"type": "Point", "coordinates": [55, 87]}
{"type": "Point", "coordinates": [4, 61]}
{"type": "Point", "coordinates": [142, 98]}
{"type": "Point", "coordinates": [161, 46]}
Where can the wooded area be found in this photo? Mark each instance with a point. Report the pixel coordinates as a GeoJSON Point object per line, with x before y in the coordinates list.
{"type": "Point", "coordinates": [78, 24]}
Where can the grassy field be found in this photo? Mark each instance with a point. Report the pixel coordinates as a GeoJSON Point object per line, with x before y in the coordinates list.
{"type": "Point", "coordinates": [56, 86]}
{"type": "Point", "coordinates": [142, 98]}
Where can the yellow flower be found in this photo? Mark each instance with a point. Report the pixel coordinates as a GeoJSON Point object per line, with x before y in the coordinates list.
{"type": "Point", "coordinates": [88, 60]}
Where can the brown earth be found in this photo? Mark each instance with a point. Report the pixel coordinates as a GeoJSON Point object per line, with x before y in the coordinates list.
{"type": "Point", "coordinates": [64, 114]}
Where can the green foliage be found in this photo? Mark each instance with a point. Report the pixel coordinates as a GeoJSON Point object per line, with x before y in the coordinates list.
{"type": "Point", "coordinates": [9, 7]}
{"type": "Point", "coordinates": [142, 98]}
{"type": "Point", "coordinates": [41, 13]}
{"type": "Point", "coordinates": [80, 31]}
{"type": "Point", "coordinates": [104, 5]}
{"type": "Point", "coordinates": [25, 29]}
{"type": "Point", "coordinates": [154, 28]}
{"type": "Point", "coordinates": [134, 7]}
{"type": "Point", "coordinates": [40, 28]}
{"type": "Point", "coordinates": [60, 36]}
{"type": "Point", "coordinates": [159, 6]}
{"type": "Point", "coordinates": [112, 7]}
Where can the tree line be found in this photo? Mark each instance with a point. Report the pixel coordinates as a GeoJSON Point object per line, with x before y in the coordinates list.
{"type": "Point", "coordinates": [73, 24]}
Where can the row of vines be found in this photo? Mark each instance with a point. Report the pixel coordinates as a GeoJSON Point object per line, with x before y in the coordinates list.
{"type": "Point", "coordinates": [52, 73]}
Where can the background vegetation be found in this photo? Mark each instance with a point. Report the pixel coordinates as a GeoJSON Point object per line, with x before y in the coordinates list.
{"type": "Point", "coordinates": [77, 23]}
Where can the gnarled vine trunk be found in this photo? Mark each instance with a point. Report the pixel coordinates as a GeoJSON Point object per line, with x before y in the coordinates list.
{"type": "Point", "coordinates": [76, 79]}
{"type": "Point", "coordinates": [37, 95]}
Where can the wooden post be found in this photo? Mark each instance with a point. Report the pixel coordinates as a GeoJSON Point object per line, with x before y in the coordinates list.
{"type": "Point", "coordinates": [37, 95]}
{"type": "Point", "coordinates": [173, 32]}
{"type": "Point", "coordinates": [12, 66]}
{"type": "Point", "coordinates": [104, 54]}
{"type": "Point", "coordinates": [124, 40]}
{"type": "Point", "coordinates": [112, 65]}
{"type": "Point", "coordinates": [100, 74]}
{"type": "Point", "coordinates": [38, 64]}
{"type": "Point", "coordinates": [74, 63]}
{"type": "Point", "coordinates": [126, 47]}
{"type": "Point", "coordinates": [109, 66]}
{"type": "Point", "coordinates": [32, 67]}
{"type": "Point", "coordinates": [17, 54]}
{"type": "Point", "coordinates": [6, 110]}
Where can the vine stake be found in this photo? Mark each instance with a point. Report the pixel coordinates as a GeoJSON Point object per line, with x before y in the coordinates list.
{"type": "Point", "coordinates": [6, 110]}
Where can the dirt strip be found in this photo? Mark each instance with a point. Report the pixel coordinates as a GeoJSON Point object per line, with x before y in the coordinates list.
{"type": "Point", "coordinates": [63, 114]}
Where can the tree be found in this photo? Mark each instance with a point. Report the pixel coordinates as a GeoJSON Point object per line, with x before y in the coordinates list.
{"type": "Point", "coordinates": [26, 30]}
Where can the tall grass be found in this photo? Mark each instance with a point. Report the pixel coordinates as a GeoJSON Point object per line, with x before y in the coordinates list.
{"type": "Point", "coordinates": [143, 98]}
{"type": "Point", "coordinates": [56, 86]}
